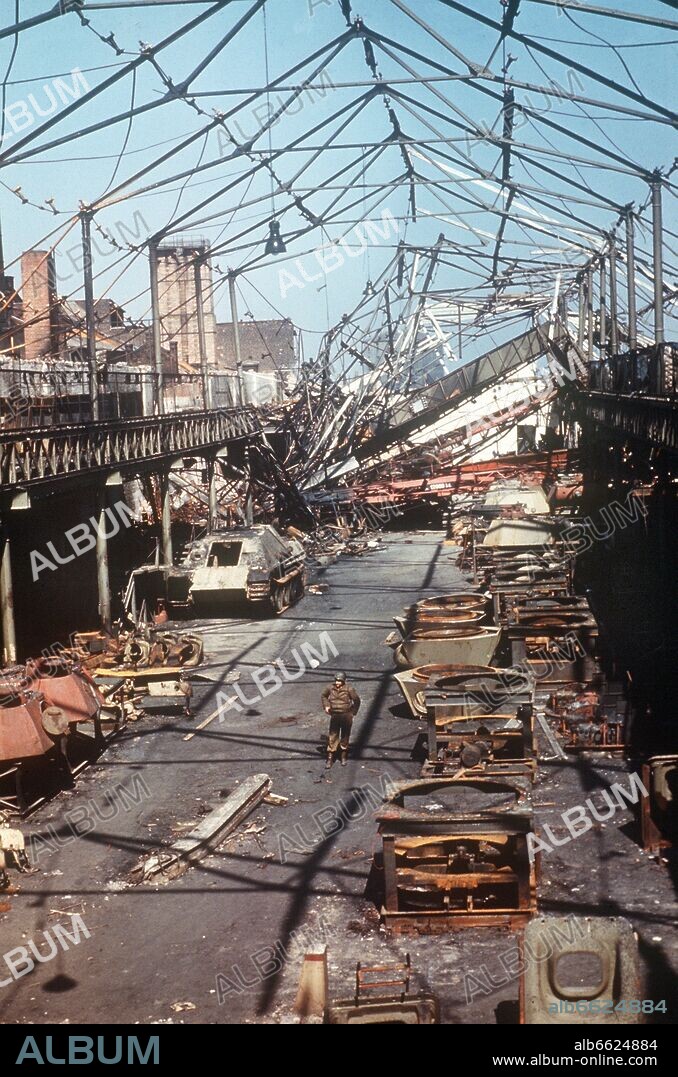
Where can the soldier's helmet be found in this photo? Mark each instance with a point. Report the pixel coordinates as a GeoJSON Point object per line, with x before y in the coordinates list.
{"type": "Point", "coordinates": [341, 677]}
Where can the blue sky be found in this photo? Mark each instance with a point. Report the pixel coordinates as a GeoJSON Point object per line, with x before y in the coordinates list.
{"type": "Point", "coordinates": [81, 170]}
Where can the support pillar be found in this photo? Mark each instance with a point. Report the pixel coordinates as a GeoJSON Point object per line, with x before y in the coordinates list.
{"type": "Point", "coordinates": [389, 323]}
{"type": "Point", "coordinates": [589, 313]}
{"type": "Point", "coordinates": [614, 329]}
{"type": "Point", "coordinates": [236, 335]}
{"type": "Point", "coordinates": [155, 325]}
{"type": "Point", "coordinates": [631, 279]}
{"type": "Point", "coordinates": [167, 552]}
{"type": "Point", "coordinates": [249, 507]}
{"type": "Point", "coordinates": [213, 516]}
{"type": "Point", "coordinates": [86, 223]}
{"type": "Point", "coordinates": [603, 313]}
{"type": "Point", "coordinates": [7, 603]}
{"type": "Point", "coordinates": [459, 332]}
{"type": "Point", "coordinates": [658, 249]}
{"type": "Point", "coordinates": [202, 342]}
{"type": "Point", "coordinates": [581, 315]}
{"type": "Point", "coordinates": [103, 578]}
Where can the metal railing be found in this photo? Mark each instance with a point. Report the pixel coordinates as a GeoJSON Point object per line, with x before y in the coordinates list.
{"type": "Point", "coordinates": [52, 453]}
{"type": "Point", "coordinates": [650, 371]}
{"type": "Point", "coordinates": [38, 396]}
{"type": "Point", "coordinates": [41, 395]}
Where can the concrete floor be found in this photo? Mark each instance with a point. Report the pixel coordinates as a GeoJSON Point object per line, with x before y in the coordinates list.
{"type": "Point", "coordinates": [155, 951]}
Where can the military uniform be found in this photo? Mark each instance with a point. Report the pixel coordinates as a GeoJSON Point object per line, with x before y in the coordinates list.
{"type": "Point", "coordinates": [342, 703]}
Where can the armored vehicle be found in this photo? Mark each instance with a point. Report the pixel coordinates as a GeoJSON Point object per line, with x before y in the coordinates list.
{"type": "Point", "coordinates": [249, 566]}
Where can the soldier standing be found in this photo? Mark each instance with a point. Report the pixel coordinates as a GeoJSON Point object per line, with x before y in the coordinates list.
{"type": "Point", "coordinates": [341, 702]}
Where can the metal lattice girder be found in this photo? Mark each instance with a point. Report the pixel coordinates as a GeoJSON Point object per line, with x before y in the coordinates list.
{"type": "Point", "coordinates": [54, 453]}
{"type": "Point", "coordinates": [421, 409]}
{"type": "Point", "coordinates": [646, 419]}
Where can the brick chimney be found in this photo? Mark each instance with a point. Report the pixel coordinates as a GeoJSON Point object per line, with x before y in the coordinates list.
{"type": "Point", "coordinates": [38, 293]}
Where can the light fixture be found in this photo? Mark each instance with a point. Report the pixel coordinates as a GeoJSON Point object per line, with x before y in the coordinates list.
{"type": "Point", "coordinates": [275, 243]}
{"type": "Point", "coordinates": [369, 290]}
{"type": "Point", "coordinates": [401, 265]}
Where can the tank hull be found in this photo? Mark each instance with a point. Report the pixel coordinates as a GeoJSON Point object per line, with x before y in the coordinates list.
{"type": "Point", "coordinates": [469, 647]}
{"type": "Point", "coordinates": [224, 573]}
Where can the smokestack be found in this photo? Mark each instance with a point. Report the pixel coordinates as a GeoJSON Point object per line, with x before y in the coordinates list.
{"type": "Point", "coordinates": [38, 293]}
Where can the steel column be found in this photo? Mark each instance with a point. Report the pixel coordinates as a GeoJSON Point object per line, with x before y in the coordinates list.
{"type": "Point", "coordinates": [581, 315]}
{"type": "Point", "coordinates": [202, 343]}
{"type": "Point", "coordinates": [249, 507]}
{"type": "Point", "coordinates": [7, 603]}
{"type": "Point", "coordinates": [86, 226]}
{"type": "Point", "coordinates": [389, 322]}
{"type": "Point", "coordinates": [589, 312]}
{"type": "Point", "coordinates": [155, 325]}
{"type": "Point", "coordinates": [213, 520]}
{"type": "Point", "coordinates": [631, 275]}
{"type": "Point", "coordinates": [603, 316]}
{"type": "Point", "coordinates": [103, 578]}
{"type": "Point", "coordinates": [614, 330]}
{"type": "Point", "coordinates": [236, 334]}
{"type": "Point", "coordinates": [658, 249]}
{"type": "Point", "coordinates": [167, 552]}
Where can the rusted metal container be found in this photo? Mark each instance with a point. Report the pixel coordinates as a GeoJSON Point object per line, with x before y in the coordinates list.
{"type": "Point", "coordinates": [22, 735]}
{"type": "Point", "coordinates": [67, 687]}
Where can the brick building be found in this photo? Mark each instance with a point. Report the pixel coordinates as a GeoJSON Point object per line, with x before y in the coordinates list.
{"type": "Point", "coordinates": [268, 347]}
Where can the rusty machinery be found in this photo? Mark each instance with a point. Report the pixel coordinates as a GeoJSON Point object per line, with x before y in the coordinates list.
{"type": "Point", "coordinates": [144, 652]}
{"type": "Point", "coordinates": [42, 706]}
{"type": "Point", "coordinates": [68, 687]}
{"type": "Point", "coordinates": [30, 739]}
{"type": "Point", "coordinates": [12, 850]}
{"type": "Point", "coordinates": [149, 667]}
{"type": "Point", "coordinates": [590, 720]}
{"type": "Point", "coordinates": [659, 810]}
{"type": "Point", "coordinates": [556, 646]}
{"type": "Point", "coordinates": [585, 960]}
{"type": "Point", "coordinates": [479, 740]}
{"type": "Point", "coordinates": [515, 574]}
{"type": "Point", "coordinates": [517, 606]}
{"type": "Point", "coordinates": [433, 620]}
{"type": "Point", "coordinates": [480, 720]}
{"type": "Point", "coordinates": [521, 584]}
{"type": "Point", "coordinates": [382, 996]}
{"type": "Point", "coordinates": [456, 854]}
